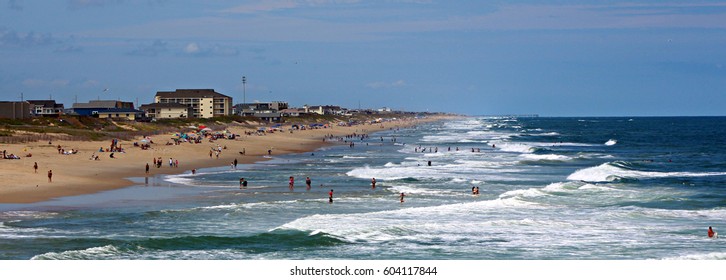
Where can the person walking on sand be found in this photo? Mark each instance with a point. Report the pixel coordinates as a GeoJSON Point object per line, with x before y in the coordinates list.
{"type": "Point", "coordinates": [235, 163]}
{"type": "Point", "coordinates": [50, 176]}
{"type": "Point", "coordinates": [147, 168]}
{"type": "Point", "coordinates": [35, 167]}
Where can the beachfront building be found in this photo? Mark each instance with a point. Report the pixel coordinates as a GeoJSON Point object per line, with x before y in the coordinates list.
{"type": "Point", "coordinates": [251, 109]}
{"type": "Point", "coordinates": [325, 110]}
{"type": "Point", "coordinates": [14, 109]}
{"type": "Point", "coordinates": [204, 103]}
{"type": "Point", "coordinates": [94, 107]}
{"type": "Point", "coordinates": [45, 108]}
{"type": "Point", "coordinates": [293, 112]}
{"type": "Point", "coordinates": [166, 110]}
{"type": "Point", "coordinates": [121, 113]}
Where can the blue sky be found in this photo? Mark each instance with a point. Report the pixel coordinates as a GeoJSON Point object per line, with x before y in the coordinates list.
{"type": "Point", "coordinates": [553, 58]}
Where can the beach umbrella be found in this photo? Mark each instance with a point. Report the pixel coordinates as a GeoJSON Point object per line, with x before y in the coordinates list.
{"type": "Point", "coordinates": [202, 126]}
{"type": "Point", "coordinates": [206, 129]}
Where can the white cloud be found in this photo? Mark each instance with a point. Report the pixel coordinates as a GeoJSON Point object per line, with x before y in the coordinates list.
{"type": "Point", "coordinates": [192, 48]}
{"type": "Point", "coordinates": [215, 50]}
{"type": "Point", "coordinates": [383, 85]}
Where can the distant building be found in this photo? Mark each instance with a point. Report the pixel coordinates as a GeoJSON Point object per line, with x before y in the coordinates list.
{"type": "Point", "coordinates": [121, 113]}
{"type": "Point", "coordinates": [325, 110]}
{"type": "Point", "coordinates": [294, 112]}
{"type": "Point", "coordinates": [250, 109]}
{"type": "Point", "coordinates": [45, 108]}
{"type": "Point", "coordinates": [15, 109]}
{"type": "Point", "coordinates": [204, 103]}
{"type": "Point", "coordinates": [166, 110]}
{"type": "Point", "coordinates": [94, 107]}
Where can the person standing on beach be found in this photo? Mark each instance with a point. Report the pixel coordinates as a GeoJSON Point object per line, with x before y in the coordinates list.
{"type": "Point", "coordinates": [50, 176]}
{"type": "Point", "coordinates": [373, 183]}
{"type": "Point", "coordinates": [35, 167]}
{"type": "Point", "coordinates": [147, 168]}
{"type": "Point", "coordinates": [235, 163]}
{"type": "Point", "coordinates": [308, 182]}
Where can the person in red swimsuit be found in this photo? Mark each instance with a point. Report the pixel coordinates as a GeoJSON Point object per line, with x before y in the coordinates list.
{"type": "Point", "coordinates": [711, 233]}
{"type": "Point", "coordinates": [330, 194]}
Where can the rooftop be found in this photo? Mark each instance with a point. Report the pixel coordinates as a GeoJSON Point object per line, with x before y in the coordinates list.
{"type": "Point", "coordinates": [189, 93]}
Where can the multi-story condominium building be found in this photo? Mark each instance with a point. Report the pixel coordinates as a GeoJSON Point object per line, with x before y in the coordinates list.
{"type": "Point", "coordinates": [204, 103]}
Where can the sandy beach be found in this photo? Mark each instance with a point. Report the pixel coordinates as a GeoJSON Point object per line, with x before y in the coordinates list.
{"type": "Point", "coordinates": [76, 174]}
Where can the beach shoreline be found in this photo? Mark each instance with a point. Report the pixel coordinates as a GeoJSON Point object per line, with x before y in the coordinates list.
{"type": "Point", "coordinates": [78, 174]}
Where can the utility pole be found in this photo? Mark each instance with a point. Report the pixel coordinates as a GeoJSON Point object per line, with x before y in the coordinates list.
{"type": "Point", "coordinates": [244, 90]}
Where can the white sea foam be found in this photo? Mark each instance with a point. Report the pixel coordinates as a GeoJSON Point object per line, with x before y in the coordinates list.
{"type": "Point", "coordinates": [531, 192]}
{"type": "Point", "coordinates": [353, 157]}
{"type": "Point", "coordinates": [92, 253]}
{"type": "Point", "coordinates": [453, 222]}
{"type": "Point", "coordinates": [611, 142]}
{"type": "Point", "coordinates": [709, 256]}
{"type": "Point", "coordinates": [515, 147]}
{"type": "Point", "coordinates": [609, 172]}
{"type": "Point", "coordinates": [419, 190]}
{"type": "Point", "coordinates": [549, 157]}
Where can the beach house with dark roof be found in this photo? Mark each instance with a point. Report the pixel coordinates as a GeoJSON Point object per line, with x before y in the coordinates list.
{"type": "Point", "coordinates": [204, 103]}
{"type": "Point", "coordinates": [45, 108]}
{"type": "Point", "coordinates": [94, 107]}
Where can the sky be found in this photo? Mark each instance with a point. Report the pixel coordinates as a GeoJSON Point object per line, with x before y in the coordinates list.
{"type": "Point", "coordinates": [552, 58]}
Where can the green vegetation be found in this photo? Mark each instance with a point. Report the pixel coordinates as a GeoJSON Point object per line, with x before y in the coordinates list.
{"type": "Point", "coordinates": [90, 128]}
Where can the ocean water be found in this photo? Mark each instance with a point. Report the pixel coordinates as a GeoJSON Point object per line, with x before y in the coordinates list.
{"type": "Point", "coordinates": [550, 188]}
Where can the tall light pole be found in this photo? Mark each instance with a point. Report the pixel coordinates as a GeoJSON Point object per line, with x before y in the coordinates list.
{"type": "Point", "coordinates": [244, 90]}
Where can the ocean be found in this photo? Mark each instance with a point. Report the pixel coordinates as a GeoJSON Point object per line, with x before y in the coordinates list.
{"type": "Point", "coordinates": [550, 188]}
